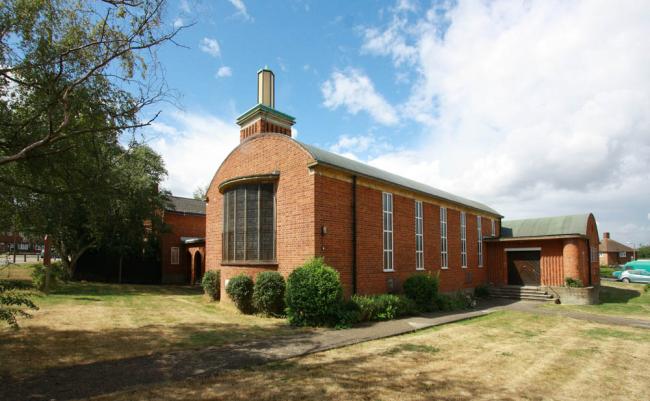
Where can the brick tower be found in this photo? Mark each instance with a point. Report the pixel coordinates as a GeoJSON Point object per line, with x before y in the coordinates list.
{"type": "Point", "coordinates": [264, 117]}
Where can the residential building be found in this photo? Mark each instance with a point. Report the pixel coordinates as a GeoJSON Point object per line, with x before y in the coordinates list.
{"type": "Point", "coordinates": [613, 253]}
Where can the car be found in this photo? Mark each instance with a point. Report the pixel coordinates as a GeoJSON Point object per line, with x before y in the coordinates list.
{"type": "Point", "coordinates": [635, 276]}
{"type": "Point", "coordinates": [642, 264]}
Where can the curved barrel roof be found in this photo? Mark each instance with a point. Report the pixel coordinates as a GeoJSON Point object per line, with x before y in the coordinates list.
{"type": "Point", "coordinates": [546, 226]}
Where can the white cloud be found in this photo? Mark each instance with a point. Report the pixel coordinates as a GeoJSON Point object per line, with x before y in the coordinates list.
{"type": "Point", "coordinates": [193, 146]}
{"type": "Point", "coordinates": [178, 22]}
{"type": "Point", "coordinates": [210, 46]}
{"type": "Point", "coordinates": [224, 71]}
{"type": "Point", "coordinates": [241, 8]}
{"type": "Point", "coordinates": [355, 91]}
{"type": "Point", "coordinates": [391, 41]}
{"type": "Point", "coordinates": [536, 108]}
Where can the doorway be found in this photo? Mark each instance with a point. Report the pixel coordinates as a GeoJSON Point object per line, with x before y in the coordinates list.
{"type": "Point", "coordinates": [524, 267]}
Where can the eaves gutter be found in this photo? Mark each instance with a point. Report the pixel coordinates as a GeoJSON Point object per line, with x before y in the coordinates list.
{"type": "Point", "coordinates": [539, 237]}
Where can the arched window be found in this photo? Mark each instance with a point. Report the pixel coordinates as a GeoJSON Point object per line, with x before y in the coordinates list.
{"type": "Point", "coordinates": [249, 223]}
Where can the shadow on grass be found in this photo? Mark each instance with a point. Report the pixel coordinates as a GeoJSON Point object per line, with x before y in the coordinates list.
{"type": "Point", "coordinates": [81, 288]}
{"type": "Point", "coordinates": [617, 295]}
{"type": "Point", "coordinates": [129, 357]}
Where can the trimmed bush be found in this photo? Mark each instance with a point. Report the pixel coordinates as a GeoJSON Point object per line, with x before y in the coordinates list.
{"type": "Point", "coordinates": [481, 291]}
{"type": "Point", "coordinates": [58, 275]}
{"type": "Point", "coordinates": [383, 307]}
{"type": "Point", "coordinates": [422, 289]}
{"type": "Point", "coordinates": [240, 290]}
{"type": "Point", "coordinates": [573, 282]}
{"type": "Point", "coordinates": [211, 284]}
{"type": "Point", "coordinates": [314, 295]}
{"type": "Point", "coordinates": [268, 293]}
{"type": "Point", "coordinates": [456, 301]}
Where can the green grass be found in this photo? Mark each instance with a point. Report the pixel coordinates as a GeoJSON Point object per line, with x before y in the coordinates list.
{"type": "Point", "coordinates": [409, 347]}
{"type": "Point", "coordinates": [620, 299]}
{"type": "Point", "coordinates": [606, 333]}
{"type": "Point", "coordinates": [606, 271]}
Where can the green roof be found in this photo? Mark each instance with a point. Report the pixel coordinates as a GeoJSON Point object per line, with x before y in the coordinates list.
{"type": "Point", "coordinates": [262, 108]}
{"type": "Point", "coordinates": [545, 226]}
{"type": "Point", "coordinates": [331, 159]}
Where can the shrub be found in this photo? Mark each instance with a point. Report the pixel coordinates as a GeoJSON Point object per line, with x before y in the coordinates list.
{"type": "Point", "coordinates": [573, 282]}
{"type": "Point", "coordinates": [14, 300]}
{"type": "Point", "coordinates": [58, 274]}
{"type": "Point", "coordinates": [647, 288]}
{"type": "Point", "coordinates": [423, 289]}
{"type": "Point", "coordinates": [346, 315]}
{"type": "Point", "coordinates": [481, 291]}
{"type": "Point", "coordinates": [211, 284]}
{"type": "Point", "coordinates": [383, 307]}
{"type": "Point", "coordinates": [268, 293]}
{"type": "Point", "coordinates": [240, 290]}
{"type": "Point", "coordinates": [314, 295]}
{"type": "Point", "coordinates": [456, 301]}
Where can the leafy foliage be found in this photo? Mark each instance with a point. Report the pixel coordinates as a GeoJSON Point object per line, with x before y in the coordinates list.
{"type": "Point", "coordinates": [57, 275]}
{"type": "Point", "coordinates": [211, 284]}
{"type": "Point", "coordinates": [268, 293]}
{"type": "Point", "coordinates": [383, 307]}
{"type": "Point", "coordinates": [456, 301]}
{"type": "Point", "coordinates": [13, 302]}
{"type": "Point", "coordinates": [240, 290]}
{"type": "Point", "coordinates": [422, 289]}
{"type": "Point", "coordinates": [481, 291]}
{"type": "Point", "coordinates": [643, 252]}
{"type": "Point", "coordinates": [573, 282]}
{"type": "Point", "coordinates": [314, 295]}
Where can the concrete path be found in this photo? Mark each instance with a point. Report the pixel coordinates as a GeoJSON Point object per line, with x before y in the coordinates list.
{"type": "Point", "coordinates": [105, 377]}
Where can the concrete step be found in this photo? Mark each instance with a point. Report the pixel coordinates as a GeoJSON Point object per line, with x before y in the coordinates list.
{"type": "Point", "coordinates": [516, 292]}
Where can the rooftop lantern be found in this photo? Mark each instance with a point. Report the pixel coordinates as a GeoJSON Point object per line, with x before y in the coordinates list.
{"type": "Point", "coordinates": [263, 117]}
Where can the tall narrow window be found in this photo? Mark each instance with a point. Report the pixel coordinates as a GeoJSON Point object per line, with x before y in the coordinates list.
{"type": "Point", "coordinates": [493, 228]}
{"type": "Point", "coordinates": [463, 239]}
{"type": "Point", "coordinates": [387, 200]}
{"type": "Point", "coordinates": [444, 262]}
{"type": "Point", "coordinates": [249, 224]}
{"type": "Point", "coordinates": [175, 258]}
{"type": "Point", "coordinates": [419, 237]}
{"type": "Point", "coordinates": [479, 230]}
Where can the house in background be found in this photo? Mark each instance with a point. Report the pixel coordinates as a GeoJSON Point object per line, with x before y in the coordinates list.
{"type": "Point", "coordinates": [613, 253]}
{"type": "Point", "coordinates": [275, 202]}
{"type": "Point", "coordinates": [21, 242]}
{"type": "Point", "coordinates": [183, 245]}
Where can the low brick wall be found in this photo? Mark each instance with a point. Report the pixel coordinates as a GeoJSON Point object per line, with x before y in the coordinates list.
{"type": "Point", "coordinates": [577, 295]}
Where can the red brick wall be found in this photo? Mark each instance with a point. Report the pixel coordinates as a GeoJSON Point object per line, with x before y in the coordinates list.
{"type": "Point", "coordinates": [295, 231]}
{"type": "Point", "coordinates": [333, 210]}
{"type": "Point", "coordinates": [188, 225]}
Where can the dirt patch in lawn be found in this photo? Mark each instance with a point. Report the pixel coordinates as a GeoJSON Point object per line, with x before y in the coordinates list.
{"type": "Point", "coordinates": [505, 356]}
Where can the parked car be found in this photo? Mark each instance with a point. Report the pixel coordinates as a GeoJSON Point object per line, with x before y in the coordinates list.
{"type": "Point", "coordinates": [643, 264]}
{"type": "Point", "coordinates": [635, 276]}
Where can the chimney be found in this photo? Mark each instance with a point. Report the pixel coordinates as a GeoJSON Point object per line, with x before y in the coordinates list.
{"type": "Point", "coordinates": [605, 235]}
{"type": "Point", "coordinates": [264, 118]}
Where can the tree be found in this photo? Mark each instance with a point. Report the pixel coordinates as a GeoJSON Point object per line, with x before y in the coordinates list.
{"type": "Point", "coordinates": [643, 252]}
{"type": "Point", "coordinates": [13, 302]}
{"type": "Point", "coordinates": [200, 193]}
{"type": "Point", "coordinates": [63, 60]}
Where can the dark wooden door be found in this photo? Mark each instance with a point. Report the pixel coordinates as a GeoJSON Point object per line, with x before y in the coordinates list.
{"type": "Point", "coordinates": [524, 268]}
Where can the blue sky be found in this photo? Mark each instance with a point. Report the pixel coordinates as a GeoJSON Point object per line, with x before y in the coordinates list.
{"type": "Point", "coordinates": [534, 107]}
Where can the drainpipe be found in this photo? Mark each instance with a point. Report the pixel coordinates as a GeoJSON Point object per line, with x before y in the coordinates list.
{"type": "Point", "coordinates": [354, 234]}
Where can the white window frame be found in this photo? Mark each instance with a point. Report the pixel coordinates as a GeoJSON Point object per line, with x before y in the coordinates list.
{"type": "Point", "coordinates": [493, 227]}
{"type": "Point", "coordinates": [622, 254]}
{"type": "Point", "coordinates": [419, 236]}
{"type": "Point", "coordinates": [387, 218]}
{"type": "Point", "coordinates": [479, 229]}
{"type": "Point", "coordinates": [463, 240]}
{"type": "Point", "coordinates": [175, 255]}
{"type": "Point", "coordinates": [444, 254]}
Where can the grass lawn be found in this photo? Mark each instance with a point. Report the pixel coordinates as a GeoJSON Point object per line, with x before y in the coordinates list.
{"type": "Point", "coordinates": [86, 322]}
{"type": "Point", "coordinates": [620, 299]}
{"type": "Point", "coordinates": [504, 356]}
{"type": "Point", "coordinates": [16, 272]}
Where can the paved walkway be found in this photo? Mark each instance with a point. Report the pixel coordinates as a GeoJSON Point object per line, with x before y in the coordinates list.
{"type": "Point", "coordinates": [104, 377]}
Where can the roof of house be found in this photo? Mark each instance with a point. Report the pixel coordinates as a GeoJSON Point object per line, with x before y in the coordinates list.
{"type": "Point", "coordinates": [185, 205]}
{"type": "Point", "coordinates": [609, 245]}
{"type": "Point", "coordinates": [545, 226]}
{"type": "Point", "coordinates": [331, 159]}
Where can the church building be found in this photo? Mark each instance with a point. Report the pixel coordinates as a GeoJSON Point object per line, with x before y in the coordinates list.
{"type": "Point", "coordinates": [275, 202]}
